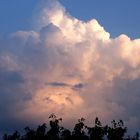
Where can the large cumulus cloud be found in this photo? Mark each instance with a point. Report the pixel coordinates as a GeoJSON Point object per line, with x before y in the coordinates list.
{"type": "Point", "coordinates": [68, 67]}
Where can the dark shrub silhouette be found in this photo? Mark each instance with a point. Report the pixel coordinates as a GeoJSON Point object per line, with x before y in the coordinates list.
{"type": "Point", "coordinates": [53, 133]}
{"type": "Point", "coordinates": [97, 132]}
{"type": "Point", "coordinates": [30, 134]}
{"type": "Point", "coordinates": [66, 134]}
{"type": "Point", "coordinates": [135, 137]}
{"type": "Point", "coordinates": [117, 131]}
{"type": "Point", "coordinates": [78, 132]}
{"type": "Point", "coordinates": [14, 136]}
{"type": "Point", "coordinates": [41, 132]}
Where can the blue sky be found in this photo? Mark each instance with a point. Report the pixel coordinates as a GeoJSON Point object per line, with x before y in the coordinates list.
{"type": "Point", "coordinates": [116, 16]}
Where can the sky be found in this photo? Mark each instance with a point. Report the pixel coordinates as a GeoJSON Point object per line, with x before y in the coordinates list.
{"type": "Point", "coordinates": [117, 16]}
{"type": "Point", "coordinates": [55, 56]}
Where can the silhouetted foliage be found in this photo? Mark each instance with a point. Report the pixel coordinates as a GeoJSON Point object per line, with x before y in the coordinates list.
{"type": "Point", "coordinates": [117, 131]}
{"type": "Point", "coordinates": [30, 134]}
{"type": "Point", "coordinates": [53, 133]}
{"type": "Point", "coordinates": [66, 134]}
{"type": "Point", "coordinates": [78, 132]}
{"type": "Point", "coordinates": [97, 132]}
{"type": "Point", "coordinates": [41, 132]}
{"type": "Point", "coordinates": [14, 136]}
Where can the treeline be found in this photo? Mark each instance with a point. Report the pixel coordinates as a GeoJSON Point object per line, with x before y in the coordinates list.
{"type": "Point", "coordinates": [116, 131]}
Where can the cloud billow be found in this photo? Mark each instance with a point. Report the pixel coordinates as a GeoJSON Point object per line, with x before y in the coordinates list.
{"type": "Point", "coordinates": [68, 65]}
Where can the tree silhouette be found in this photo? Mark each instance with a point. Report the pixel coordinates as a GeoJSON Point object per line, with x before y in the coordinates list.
{"type": "Point", "coordinates": [15, 136]}
{"type": "Point", "coordinates": [135, 137]}
{"type": "Point", "coordinates": [117, 131]}
{"type": "Point", "coordinates": [30, 134]}
{"type": "Point", "coordinates": [66, 134]}
{"type": "Point", "coordinates": [41, 132]}
{"type": "Point", "coordinates": [79, 132]}
{"type": "Point", "coordinates": [97, 132]}
{"type": "Point", "coordinates": [53, 133]}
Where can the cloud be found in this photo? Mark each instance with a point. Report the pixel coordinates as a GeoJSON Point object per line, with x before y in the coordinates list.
{"type": "Point", "coordinates": [68, 65]}
{"type": "Point", "coordinates": [59, 84]}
